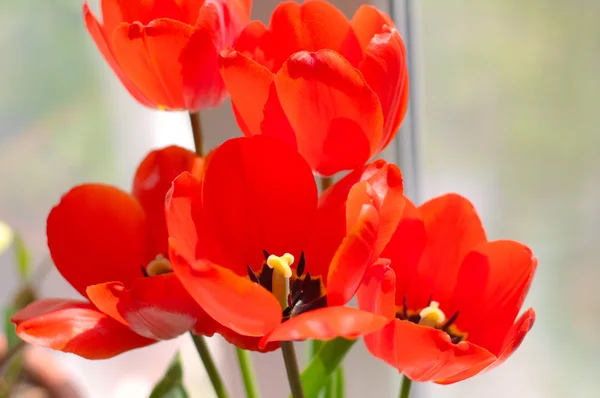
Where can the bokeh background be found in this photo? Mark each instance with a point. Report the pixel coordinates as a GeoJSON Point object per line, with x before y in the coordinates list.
{"type": "Point", "coordinates": [506, 106]}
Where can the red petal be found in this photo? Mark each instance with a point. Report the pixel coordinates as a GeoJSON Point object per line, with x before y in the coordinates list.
{"type": "Point", "coordinates": [369, 21]}
{"type": "Point", "coordinates": [354, 256]}
{"type": "Point", "coordinates": [202, 82]}
{"type": "Point", "coordinates": [336, 116]}
{"type": "Point", "coordinates": [237, 303]}
{"type": "Point", "coordinates": [155, 307]}
{"type": "Point", "coordinates": [184, 214]}
{"type": "Point", "coordinates": [377, 291]}
{"type": "Point", "coordinates": [453, 229]}
{"type": "Point", "coordinates": [246, 342]}
{"type": "Point", "coordinates": [512, 342]}
{"type": "Point", "coordinates": [99, 36]}
{"type": "Point", "coordinates": [492, 285]}
{"type": "Point", "coordinates": [249, 84]}
{"type": "Point", "coordinates": [115, 11]}
{"type": "Point", "coordinates": [258, 44]}
{"type": "Point", "coordinates": [152, 181]}
{"type": "Point", "coordinates": [259, 194]}
{"type": "Point", "coordinates": [76, 327]}
{"type": "Point", "coordinates": [96, 234]}
{"type": "Point", "coordinates": [386, 71]}
{"type": "Point", "coordinates": [312, 26]}
{"type": "Point", "coordinates": [150, 57]}
{"type": "Point", "coordinates": [386, 183]}
{"type": "Point", "coordinates": [405, 249]}
{"type": "Point", "coordinates": [429, 354]}
{"type": "Point", "coordinates": [515, 336]}
{"type": "Point", "coordinates": [325, 324]}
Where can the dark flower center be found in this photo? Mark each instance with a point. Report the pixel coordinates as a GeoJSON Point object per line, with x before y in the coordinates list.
{"type": "Point", "coordinates": [306, 292]}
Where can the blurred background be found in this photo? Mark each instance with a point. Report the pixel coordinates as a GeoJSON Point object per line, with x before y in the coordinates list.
{"type": "Point", "coordinates": [505, 110]}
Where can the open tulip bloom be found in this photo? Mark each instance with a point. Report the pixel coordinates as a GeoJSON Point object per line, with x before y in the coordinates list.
{"type": "Point", "coordinates": [240, 242]}
{"type": "Point", "coordinates": [451, 296]}
{"type": "Point", "coordinates": [112, 248]}
{"type": "Point", "coordinates": [252, 233]}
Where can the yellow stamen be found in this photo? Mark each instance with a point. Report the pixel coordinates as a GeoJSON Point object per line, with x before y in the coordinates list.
{"type": "Point", "coordinates": [281, 275]}
{"type": "Point", "coordinates": [159, 266]}
{"type": "Point", "coordinates": [432, 316]}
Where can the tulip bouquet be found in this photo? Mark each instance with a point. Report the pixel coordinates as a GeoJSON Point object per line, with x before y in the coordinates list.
{"type": "Point", "coordinates": [239, 242]}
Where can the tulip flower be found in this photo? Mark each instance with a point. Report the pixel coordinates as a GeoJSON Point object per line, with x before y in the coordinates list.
{"type": "Point", "coordinates": [112, 248]}
{"type": "Point", "coordinates": [165, 52]}
{"type": "Point", "coordinates": [252, 245]}
{"type": "Point", "coordinates": [452, 296]}
{"type": "Point", "coordinates": [336, 90]}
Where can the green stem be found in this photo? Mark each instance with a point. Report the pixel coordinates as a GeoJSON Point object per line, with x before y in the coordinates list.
{"type": "Point", "coordinates": [197, 133]}
{"type": "Point", "coordinates": [406, 385]}
{"type": "Point", "coordinates": [291, 366]}
{"type": "Point", "coordinates": [250, 382]}
{"type": "Point", "coordinates": [209, 365]}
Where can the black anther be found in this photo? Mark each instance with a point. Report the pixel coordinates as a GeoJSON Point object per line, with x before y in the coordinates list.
{"type": "Point", "coordinates": [252, 275]}
{"type": "Point", "coordinates": [301, 265]}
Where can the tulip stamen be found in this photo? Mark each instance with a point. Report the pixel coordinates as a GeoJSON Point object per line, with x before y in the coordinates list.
{"type": "Point", "coordinates": [159, 266]}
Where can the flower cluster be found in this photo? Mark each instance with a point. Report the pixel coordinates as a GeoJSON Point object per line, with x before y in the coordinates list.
{"type": "Point", "coordinates": [240, 242]}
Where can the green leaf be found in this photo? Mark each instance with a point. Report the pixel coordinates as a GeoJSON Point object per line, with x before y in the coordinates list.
{"type": "Point", "coordinates": [9, 328]}
{"type": "Point", "coordinates": [171, 385]}
{"type": "Point", "coordinates": [317, 374]}
{"type": "Point", "coordinates": [22, 257]}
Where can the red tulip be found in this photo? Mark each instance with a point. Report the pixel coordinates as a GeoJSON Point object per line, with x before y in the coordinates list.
{"type": "Point", "coordinates": [165, 51]}
{"type": "Point", "coordinates": [112, 247]}
{"type": "Point", "coordinates": [451, 295]}
{"type": "Point", "coordinates": [256, 208]}
{"type": "Point", "coordinates": [336, 90]}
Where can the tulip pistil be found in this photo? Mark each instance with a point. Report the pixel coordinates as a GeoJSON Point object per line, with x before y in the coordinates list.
{"type": "Point", "coordinates": [431, 315]}
{"type": "Point", "coordinates": [282, 272]}
{"type": "Point", "coordinates": [159, 266]}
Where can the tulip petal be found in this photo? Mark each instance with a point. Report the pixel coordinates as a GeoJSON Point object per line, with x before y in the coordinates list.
{"type": "Point", "coordinates": [150, 57]}
{"type": "Point", "coordinates": [116, 11]}
{"type": "Point", "coordinates": [312, 26]}
{"type": "Point", "coordinates": [429, 354]}
{"type": "Point", "coordinates": [258, 44]}
{"type": "Point", "coordinates": [492, 285]}
{"type": "Point", "coordinates": [184, 214]}
{"type": "Point", "coordinates": [259, 194]}
{"type": "Point", "coordinates": [386, 181]}
{"type": "Point", "coordinates": [155, 307]}
{"type": "Point", "coordinates": [202, 82]}
{"type": "Point", "coordinates": [367, 22]}
{"type": "Point", "coordinates": [335, 115]}
{"type": "Point", "coordinates": [453, 228]}
{"type": "Point", "coordinates": [386, 71]}
{"type": "Point", "coordinates": [377, 291]}
{"type": "Point", "coordinates": [153, 180]}
{"type": "Point", "coordinates": [249, 84]}
{"type": "Point", "coordinates": [405, 249]}
{"type": "Point", "coordinates": [511, 343]}
{"type": "Point", "coordinates": [97, 233]}
{"type": "Point", "coordinates": [98, 34]}
{"type": "Point", "coordinates": [243, 306]}
{"type": "Point", "coordinates": [353, 257]}
{"type": "Point", "coordinates": [325, 324]}
{"type": "Point", "coordinates": [76, 327]}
